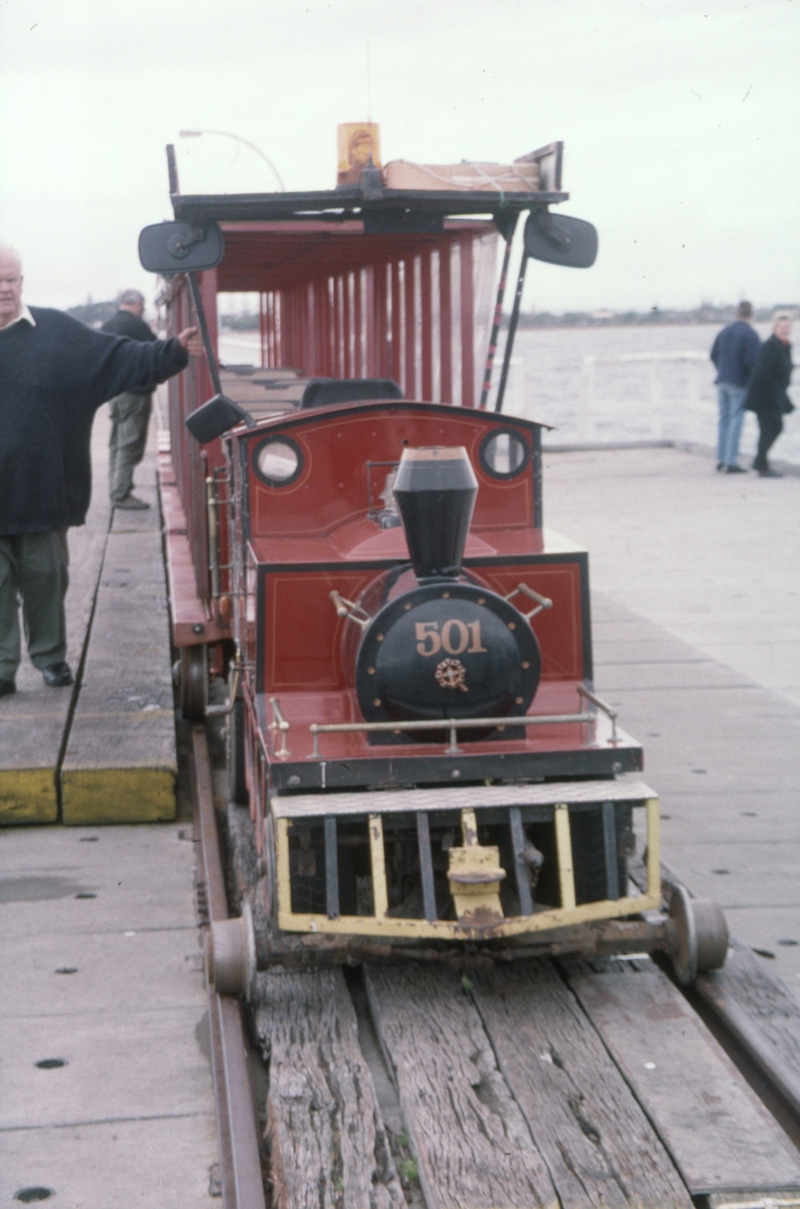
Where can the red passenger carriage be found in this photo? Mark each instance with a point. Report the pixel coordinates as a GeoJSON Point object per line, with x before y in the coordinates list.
{"type": "Point", "coordinates": [357, 543]}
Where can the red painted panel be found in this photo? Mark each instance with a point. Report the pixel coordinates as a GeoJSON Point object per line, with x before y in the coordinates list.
{"type": "Point", "coordinates": [303, 633]}
{"type": "Point", "coordinates": [559, 628]}
{"type": "Point", "coordinates": [336, 448]}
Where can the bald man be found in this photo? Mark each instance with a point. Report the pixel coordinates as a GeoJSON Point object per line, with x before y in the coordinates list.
{"type": "Point", "coordinates": [54, 374]}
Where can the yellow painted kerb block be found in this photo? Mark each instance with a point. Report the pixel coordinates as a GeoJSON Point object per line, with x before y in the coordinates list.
{"type": "Point", "coordinates": [27, 795]}
{"type": "Point", "coordinates": [118, 795]}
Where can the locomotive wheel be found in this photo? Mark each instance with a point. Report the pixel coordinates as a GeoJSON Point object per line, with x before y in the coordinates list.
{"type": "Point", "coordinates": [236, 753]}
{"type": "Point", "coordinates": [231, 955]}
{"type": "Point", "coordinates": [194, 683]}
{"type": "Point", "coordinates": [702, 935]}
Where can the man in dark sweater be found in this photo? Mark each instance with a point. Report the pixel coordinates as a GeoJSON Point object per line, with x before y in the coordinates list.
{"type": "Point", "coordinates": [54, 374]}
{"type": "Point", "coordinates": [734, 354]}
{"type": "Point", "coordinates": [130, 411]}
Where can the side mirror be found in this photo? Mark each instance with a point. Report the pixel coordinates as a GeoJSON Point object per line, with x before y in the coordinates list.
{"type": "Point", "coordinates": [560, 239]}
{"type": "Point", "coordinates": [216, 416]}
{"type": "Point", "coordinates": [180, 247]}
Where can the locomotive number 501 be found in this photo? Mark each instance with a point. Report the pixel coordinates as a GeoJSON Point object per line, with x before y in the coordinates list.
{"type": "Point", "coordinates": [456, 636]}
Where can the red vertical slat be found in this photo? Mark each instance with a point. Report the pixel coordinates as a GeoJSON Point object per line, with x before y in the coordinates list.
{"type": "Point", "coordinates": [395, 368]}
{"type": "Point", "coordinates": [309, 334]}
{"type": "Point", "coordinates": [381, 322]}
{"type": "Point", "coordinates": [369, 275]}
{"type": "Point", "coordinates": [427, 326]}
{"type": "Point", "coordinates": [410, 327]}
{"type": "Point", "coordinates": [323, 329]}
{"type": "Point", "coordinates": [467, 321]}
{"type": "Point", "coordinates": [445, 321]}
{"type": "Point", "coordinates": [330, 346]}
{"type": "Point", "coordinates": [347, 326]}
{"type": "Point", "coordinates": [279, 313]}
{"type": "Point", "coordinates": [262, 326]}
{"type": "Point", "coordinates": [338, 298]}
{"type": "Point", "coordinates": [357, 323]}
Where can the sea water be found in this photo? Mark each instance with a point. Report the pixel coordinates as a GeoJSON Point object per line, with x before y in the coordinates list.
{"type": "Point", "coordinates": [603, 385]}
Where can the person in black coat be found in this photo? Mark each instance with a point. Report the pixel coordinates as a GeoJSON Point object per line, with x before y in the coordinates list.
{"type": "Point", "coordinates": [54, 374]}
{"type": "Point", "coordinates": [766, 392]}
{"type": "Point", "coordinates": [130, 411]}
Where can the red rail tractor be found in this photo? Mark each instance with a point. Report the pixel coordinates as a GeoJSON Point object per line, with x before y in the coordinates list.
{"type": "Point", "coordinates": [357, 544]}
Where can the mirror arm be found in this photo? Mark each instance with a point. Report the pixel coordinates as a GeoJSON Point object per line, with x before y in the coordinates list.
{"type": "Point", "coordinates": [506, 226]}
{"type": "Point", "coordinates": [172, 171]}
{"type": "Point", "coordinates": [544, 222]}
{"type": "Point", "coordinates": [197, 299]}
{"type": "Point", "coordinates": [512, 331]}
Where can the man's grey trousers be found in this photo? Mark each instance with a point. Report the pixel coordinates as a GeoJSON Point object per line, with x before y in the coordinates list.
{"type": "Point", "coordinates": [33, 569]}
{"type": "Point", "coordinates": [130, 415]}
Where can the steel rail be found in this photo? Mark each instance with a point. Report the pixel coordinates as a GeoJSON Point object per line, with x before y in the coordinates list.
{"type": "Point", "coordinates": [753, 1041]}
{"type": "Point", "coordinates": [745, 1043]}
{"type": "Point", "coordinates": [237, 1120]}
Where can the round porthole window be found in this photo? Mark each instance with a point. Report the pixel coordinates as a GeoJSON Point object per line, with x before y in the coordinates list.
{"type": "Point", "coordinates": [278, 461]}
{"type": "Point", "coordinates": [504, 453]}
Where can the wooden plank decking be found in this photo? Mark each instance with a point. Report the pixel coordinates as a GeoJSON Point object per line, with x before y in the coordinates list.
{"type": "Point", "coordinates": [103, 751]}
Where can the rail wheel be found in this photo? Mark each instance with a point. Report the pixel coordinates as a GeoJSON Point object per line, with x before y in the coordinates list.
{"type": "Point", "coordinates": [702, 935]}
{"type": "Point", "coordinates": [194, 683]}
{"type": "Point", "coordinates": [236, 753]}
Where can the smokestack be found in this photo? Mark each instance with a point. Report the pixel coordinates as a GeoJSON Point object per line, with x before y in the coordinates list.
{"type": "Point", "coordinates": [435, 491]}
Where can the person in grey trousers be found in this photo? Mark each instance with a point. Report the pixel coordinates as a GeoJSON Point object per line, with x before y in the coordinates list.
{"type": "Point", "coordinates": [734, 354]}
{"type": "Point", "coordinates": [130, 412]}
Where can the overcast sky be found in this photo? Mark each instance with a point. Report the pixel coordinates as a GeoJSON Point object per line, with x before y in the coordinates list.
{"type": "Point", "coordinates": [680, 123]}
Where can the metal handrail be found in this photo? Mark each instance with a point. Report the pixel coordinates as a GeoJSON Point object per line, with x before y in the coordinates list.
{"type": "Point", "coordinates": [601, 705]}
{"type": "Point", "coordinates": [453, 725]}
{"type": "Point", "coordinates": [281, 725]}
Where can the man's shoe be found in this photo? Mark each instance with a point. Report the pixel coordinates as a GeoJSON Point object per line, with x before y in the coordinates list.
{"type": "Point", "coordinates": [7, 687]}
{"type": "Point", "coordinates": [131, 502]}
{"type": "Point", "coordinates": [58, 675]}
{"type": "Point", "coordinates": [720, 465]}
{"type": "Point", "coordinates": [769, 474]}
{"type": "Point", "coordinates": [734, 470]}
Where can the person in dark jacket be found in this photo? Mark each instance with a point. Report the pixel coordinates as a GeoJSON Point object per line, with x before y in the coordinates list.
{"type": "Point", "coordinates": [734, 354]}
{"type": "Point", "coordinates": [130, 411]}
{"type": "Point", "coordinates": [54, 374]}
{"type": "Point", "coordinates": [766, 394]}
